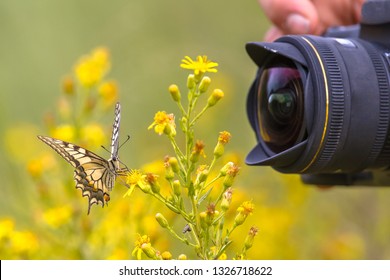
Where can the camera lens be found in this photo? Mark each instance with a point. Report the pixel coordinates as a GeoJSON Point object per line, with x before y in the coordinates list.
{"type": "Point", "coordinates": [281, 106]}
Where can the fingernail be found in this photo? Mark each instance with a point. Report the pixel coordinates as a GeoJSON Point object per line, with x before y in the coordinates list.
{"type": "Point", "coordinates": [297, 24]}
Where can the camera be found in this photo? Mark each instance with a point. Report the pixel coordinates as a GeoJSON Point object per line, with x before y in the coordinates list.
{"type": "Point", "coordinates": [320, 105]}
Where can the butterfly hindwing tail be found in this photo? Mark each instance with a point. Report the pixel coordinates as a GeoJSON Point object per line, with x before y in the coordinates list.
{"type": "Point", "coordinates": [95, 195]}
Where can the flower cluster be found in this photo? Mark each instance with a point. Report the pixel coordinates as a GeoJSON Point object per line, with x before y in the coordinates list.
{"type": "Point", "coordinates": [15, 243]}
{"type": "Point", "coordinates": [199, 192]}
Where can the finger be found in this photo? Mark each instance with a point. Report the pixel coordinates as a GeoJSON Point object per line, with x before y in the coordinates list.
{"type": "Point", "coordinates": [272, 34]}
{"type": "Point", "coordinates": [293, 16]}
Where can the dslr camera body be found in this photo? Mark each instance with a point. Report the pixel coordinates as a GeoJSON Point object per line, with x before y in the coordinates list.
{"type": "Point", "coordinates": [320, 105]}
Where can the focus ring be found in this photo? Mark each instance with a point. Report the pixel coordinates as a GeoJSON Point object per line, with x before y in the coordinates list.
{"type": "Point", "coordinates": [336, 103]}
{"type": "Point", "coordinates": [380, 151]}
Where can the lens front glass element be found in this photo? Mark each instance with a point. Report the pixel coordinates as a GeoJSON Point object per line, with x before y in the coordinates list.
{"type": "Point", "coordinates": [281, 106]}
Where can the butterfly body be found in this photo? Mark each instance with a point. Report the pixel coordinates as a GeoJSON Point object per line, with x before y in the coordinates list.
{"type": "Point", "coordinates": [94, 175]}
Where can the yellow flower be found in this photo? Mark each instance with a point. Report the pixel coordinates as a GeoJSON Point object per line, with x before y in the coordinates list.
{"type": "Point", "coordinates": [64, 108]}
{"type": "Point", "coordinates": [246, 208]}
{"type": "Point", "coordinates": [64, 132]}
{"type": "Point", "coordinates": [197, 151]}
{"type": "Point", "coordinates": [214, 251]}
{"type": "Point", "coordinates": [92, 135]}
{"type": "Point", "coordinates": [140, 243]}
{"type": "Point", "coordinates": [231, 173]}
{"type": "Point", "coordinates": [35, 168]}
{"type": "Point", "coordinates": [224, 137]}
{"type": "Point", "coordinates": [118, 254]}
{"type": "Point", "coordinates": [91, 68]}
{"type": "Point", "coordinates": [24, 242]}
{"type": "Point", "coordinates": [243, 211]}
{"type": "Point", "coordinates": [200, 66]}
{"type": "Point", "coordinates": [7, 226]}
{"type": "Point", "coordinates": [136, 178]}
{"type": "Point", "coordinates": [164, 123]}
{"type": "Point", "coordinates": [68, 85]}
{"type": "Point", "coordinates": [58, 216]}
{"type": "Point", "coordinates": [109, 92]}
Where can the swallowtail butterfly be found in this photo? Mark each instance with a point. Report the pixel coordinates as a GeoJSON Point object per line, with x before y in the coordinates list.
{"type": "Point", "coordinates": [94, 175]}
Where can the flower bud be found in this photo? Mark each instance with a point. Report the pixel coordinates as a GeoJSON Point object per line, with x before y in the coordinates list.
{"type": "Point", "coordinates": [145, 187]}
{"type": "Point", "coordinates": [204, 84]}
{"type": "Point", "coordinates": [175, 93]}
{"type": "Point", "coordinates": [169, 174]}
{"type": "Point", "coordinates": [202, 174]}
{"type": "Point", "coordinates": [243, 211]}
{"type": "Point", "coordinates": [225, 168]}
{"type": "Point", "coordinates": [152, 180]}
{"type": "Point", "coordinates": [250, 237]}
{"type": "Point", "coordinates": [176, 187]}
{"type": "Point", "coordinates": [148, 250]}
{"type": "Point", "coordinates": [191, 83]}
{"type": "Point", "coordinates": [228, 182]}
{"type": "Point", "coordinates": [170, 130]}
{"type": "Point", "coordinates": [231, 174]}
{"type": "Point", "coordinates": [197, 151]}
{"type": "Point", "coordinates": [203, 219]}
{"type": "Point", "coordinates": [239, 219]}
{"type": "Point", "coordinates": [215, 97]}
{"type": "Point", "coordinates": [226, 199]}
{"type": "Point", "coordinates": [161, 220]}
{"type": "Point", "coordinates": [174, 164]}
{"type": "Point", "coordinates": [219, 150]}
{"type": "Point", "coordinates": [182, 257]}
{"type": "Point", "coordinates": [166, 255]}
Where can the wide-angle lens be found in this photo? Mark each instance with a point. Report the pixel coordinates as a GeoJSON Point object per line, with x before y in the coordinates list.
{"type": "Point", "coordinates": [281, 107]}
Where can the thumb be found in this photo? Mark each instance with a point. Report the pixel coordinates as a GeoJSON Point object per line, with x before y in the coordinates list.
{"type": "Point", "coordinates": [293, 16]}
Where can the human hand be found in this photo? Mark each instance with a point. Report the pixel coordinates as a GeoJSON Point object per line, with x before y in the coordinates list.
{"type": "Point", "coordinates": [309, 16]}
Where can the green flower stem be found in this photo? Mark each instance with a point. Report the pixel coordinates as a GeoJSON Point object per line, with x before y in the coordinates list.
{"type": "Point", "coordinates": [222, 249]}
{"type": "Point", "coordinates": [178, 152]}
{"type": "Point", "coordinates": [204, 188]}
{"type": "Point", "coordinates": [171, 206]}
{"type": "Point", "coordinates": [182, 110]}
{"type": "Point", "coordinates": [184, 240]}
{"type": "Point", "coordinates": [199, 115]}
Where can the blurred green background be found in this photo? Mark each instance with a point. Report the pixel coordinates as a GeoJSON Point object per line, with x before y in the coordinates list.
{"type": "Point", "coordinates": [40, 43]}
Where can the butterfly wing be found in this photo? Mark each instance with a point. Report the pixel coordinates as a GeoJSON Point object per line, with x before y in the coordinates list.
{"type": "Point", "coordinates": [94, 175]}
{"type": "Point", "coordinates": [115, 132]}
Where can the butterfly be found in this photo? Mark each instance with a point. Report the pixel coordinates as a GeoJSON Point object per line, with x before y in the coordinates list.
{"type": "Point", "coordinates": [94, 175]}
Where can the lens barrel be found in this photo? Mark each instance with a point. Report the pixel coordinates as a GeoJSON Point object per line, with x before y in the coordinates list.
{"type": "Point", "coordinates": [320, 105]}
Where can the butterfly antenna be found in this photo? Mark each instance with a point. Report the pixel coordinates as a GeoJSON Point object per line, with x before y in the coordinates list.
{"type": "Point", "coordinates": [121, 162]}
{"type": "Point", "coordinates": [128, 138]}
{"type": "Point", "coordinates": [105, 149]}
